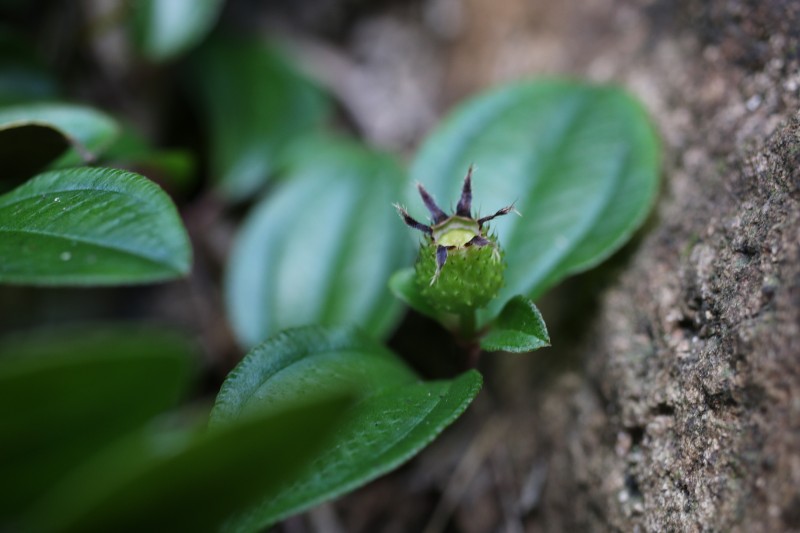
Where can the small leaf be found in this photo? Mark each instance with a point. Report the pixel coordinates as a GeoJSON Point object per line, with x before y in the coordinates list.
{"type": "Point", "coordinates": [181, 481]}
{"type": "Point", "coordinates": [403, 284]}
{"type": "Point", "coordinates": [396, 415]}
{"type": "Point", "coordinates": [165, 29]}
{"type": "Point", "coordinates": [519, 328]}
{"type": "Point", "coordinates": [35, 135]}
{"type": "Point", "coordinates": [581, 162]}
{"type": "Point", "coordinates": [66, 394]}
{"type": "Point", "coordinates": [320, 248]}
{"type": "Point", "coordinates": [90, 226]}
{"type": "Point", "coordinates": [255, 105]}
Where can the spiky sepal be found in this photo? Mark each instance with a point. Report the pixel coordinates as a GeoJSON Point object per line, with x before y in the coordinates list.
{"type": "Point", "coordinates": [471, 278]}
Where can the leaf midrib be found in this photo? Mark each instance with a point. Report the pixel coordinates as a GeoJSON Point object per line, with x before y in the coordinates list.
{"type": "Point", "coordinates": [157, 260]}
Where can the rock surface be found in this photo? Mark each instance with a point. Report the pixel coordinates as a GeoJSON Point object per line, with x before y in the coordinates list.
{"type": "Point", "coordinates": [689, 415]}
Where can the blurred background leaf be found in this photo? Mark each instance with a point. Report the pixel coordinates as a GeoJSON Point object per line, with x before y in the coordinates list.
{"type": "Point", "coordinates": [185, 480]}
{"type": "Point", "coordinates": [65, 394]}
{"type": "Point", "coordinates": [90, 226]}
{"type": "Point", "coordinates": [320, 248]}
{"type": "Point", "coordinates": [580, 161]}
{"type": "Point", "coordinates": [395, 417]}
{"type": "Point", "coordinates": [163, 29]}
{"type": "Point", "coordinates": [173, 169]}
{"type": "Point", "coordinates": [33, 136]}
{"type": "Point", "coordinates": [254, 104]}
{"type": "Point", "coordinates": [24, 77]}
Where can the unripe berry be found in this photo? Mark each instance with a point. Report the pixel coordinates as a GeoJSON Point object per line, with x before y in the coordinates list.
{"type": "Point", "coordinates": [460, 266]}
{"type": "Point", "coordinates": [471, 278]}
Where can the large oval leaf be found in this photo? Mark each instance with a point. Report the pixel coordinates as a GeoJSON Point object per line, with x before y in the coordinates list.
{"type": "Point", "coordinates": [255, 105]}
{"type": "Point", "coordinates": [320, 248]}
{"type": "Point", "coordinates": [66, 394]}
{"type": "Point", "coordinates": [163, 30]}
{"type": "Point", "coordinates": [581, 162]}
{"type": "Point", "coordinates": [395, 417]}
{"type": "Point", "coordinates": [35, 135]}
{"type": "Point", "coordinates": [188, 481]}
{"type": "Point", "coordinates": [93, 226]}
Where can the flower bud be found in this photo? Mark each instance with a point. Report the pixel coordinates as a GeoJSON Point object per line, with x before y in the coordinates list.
{"type": "Point", "coordinates": [460, 266]}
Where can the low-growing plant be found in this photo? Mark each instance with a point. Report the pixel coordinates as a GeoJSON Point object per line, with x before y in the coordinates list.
{"type": "Point", "coordinates": [315, 283]}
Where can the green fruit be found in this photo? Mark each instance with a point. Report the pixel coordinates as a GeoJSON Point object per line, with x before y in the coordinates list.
{"type": "Point", "coordinates": [460, 266]}
{"type": "Point", "coordinates": [471, 278]}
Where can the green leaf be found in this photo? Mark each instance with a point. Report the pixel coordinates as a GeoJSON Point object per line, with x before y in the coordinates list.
{"type": "Point", "coordinates": [255, 105]}
{"type": "Point", "coordinates": [181, 481]}
{"type": "Point", "coordinates": [320, 248]}
{"type": "Point", "coordinates": [581, 162]}
{"type": "Point", "coordinates": [395, 417]}
{"type": "Point", "coordinates": [165, 29]}
{"type": "Point", "coordinates": [519, 328]}
{"type": "Point", "coordinates": [66, 394]}
{"type": "Point", "coordinates": [90, 226]}
{"type": "Point", "coordinates": [403, 284]}
{"type": "Point", "coordinates": [173, 168]}
{"type": "Point", "coordinates": [33, 136]}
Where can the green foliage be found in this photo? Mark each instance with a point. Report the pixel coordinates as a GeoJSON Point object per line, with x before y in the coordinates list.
{"type": "Point", "coordinates": [90, 226]}
{"type": "Point", "coordinates": [174, 168]}
{"type": "Point", "coordinates": [519, 328]}
{"type": "Point", "coordinates": [87, 441]}
{"type": "Point", "coordinates": [255, 105]}
{"type": "Point", "coordinates": [404, 285]}
{"type": "Point", "coordinates": [188, 480]}
{"type": "Point", "coordinates": [35, 135]}
{"type": "Point", "coordinates": [321, 247]}
{"type": "Point", "coordinates": [163, 30]}
{"type": "Point", "coordinates": [395, 415]}
{"type": "Point", "coordinates": [65, 395]}
{"type": "Point", "coordinates": [581, 161]}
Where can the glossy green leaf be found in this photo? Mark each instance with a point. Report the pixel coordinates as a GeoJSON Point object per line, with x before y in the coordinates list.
{"type": "Point", "coordinates": [66, 394]}
{"type": "Point", "coordinates": [581, 162]}
{"type": "Point", "coordinates": [255, 105]}
{"type": "Point", "coordinates": [164, 29]}
{"type": "Point", "coordinates": [519, 328]}
{"type": "Point", "coordinates": [33, 136]}
{"type": "Point", "coordinates": [395, 417]}
{"type": "Point", "coordinates": [90, 226]}
{"type": "Point", "coordinates": [321, 247]}
{"type": "Point", "coordinates": [183, 481]}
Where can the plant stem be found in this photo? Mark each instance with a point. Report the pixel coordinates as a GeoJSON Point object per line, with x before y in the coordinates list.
{"type": "Point", "coordinates": [467, 326]}
{"type": "Point", "coordinates": [469, 339]}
